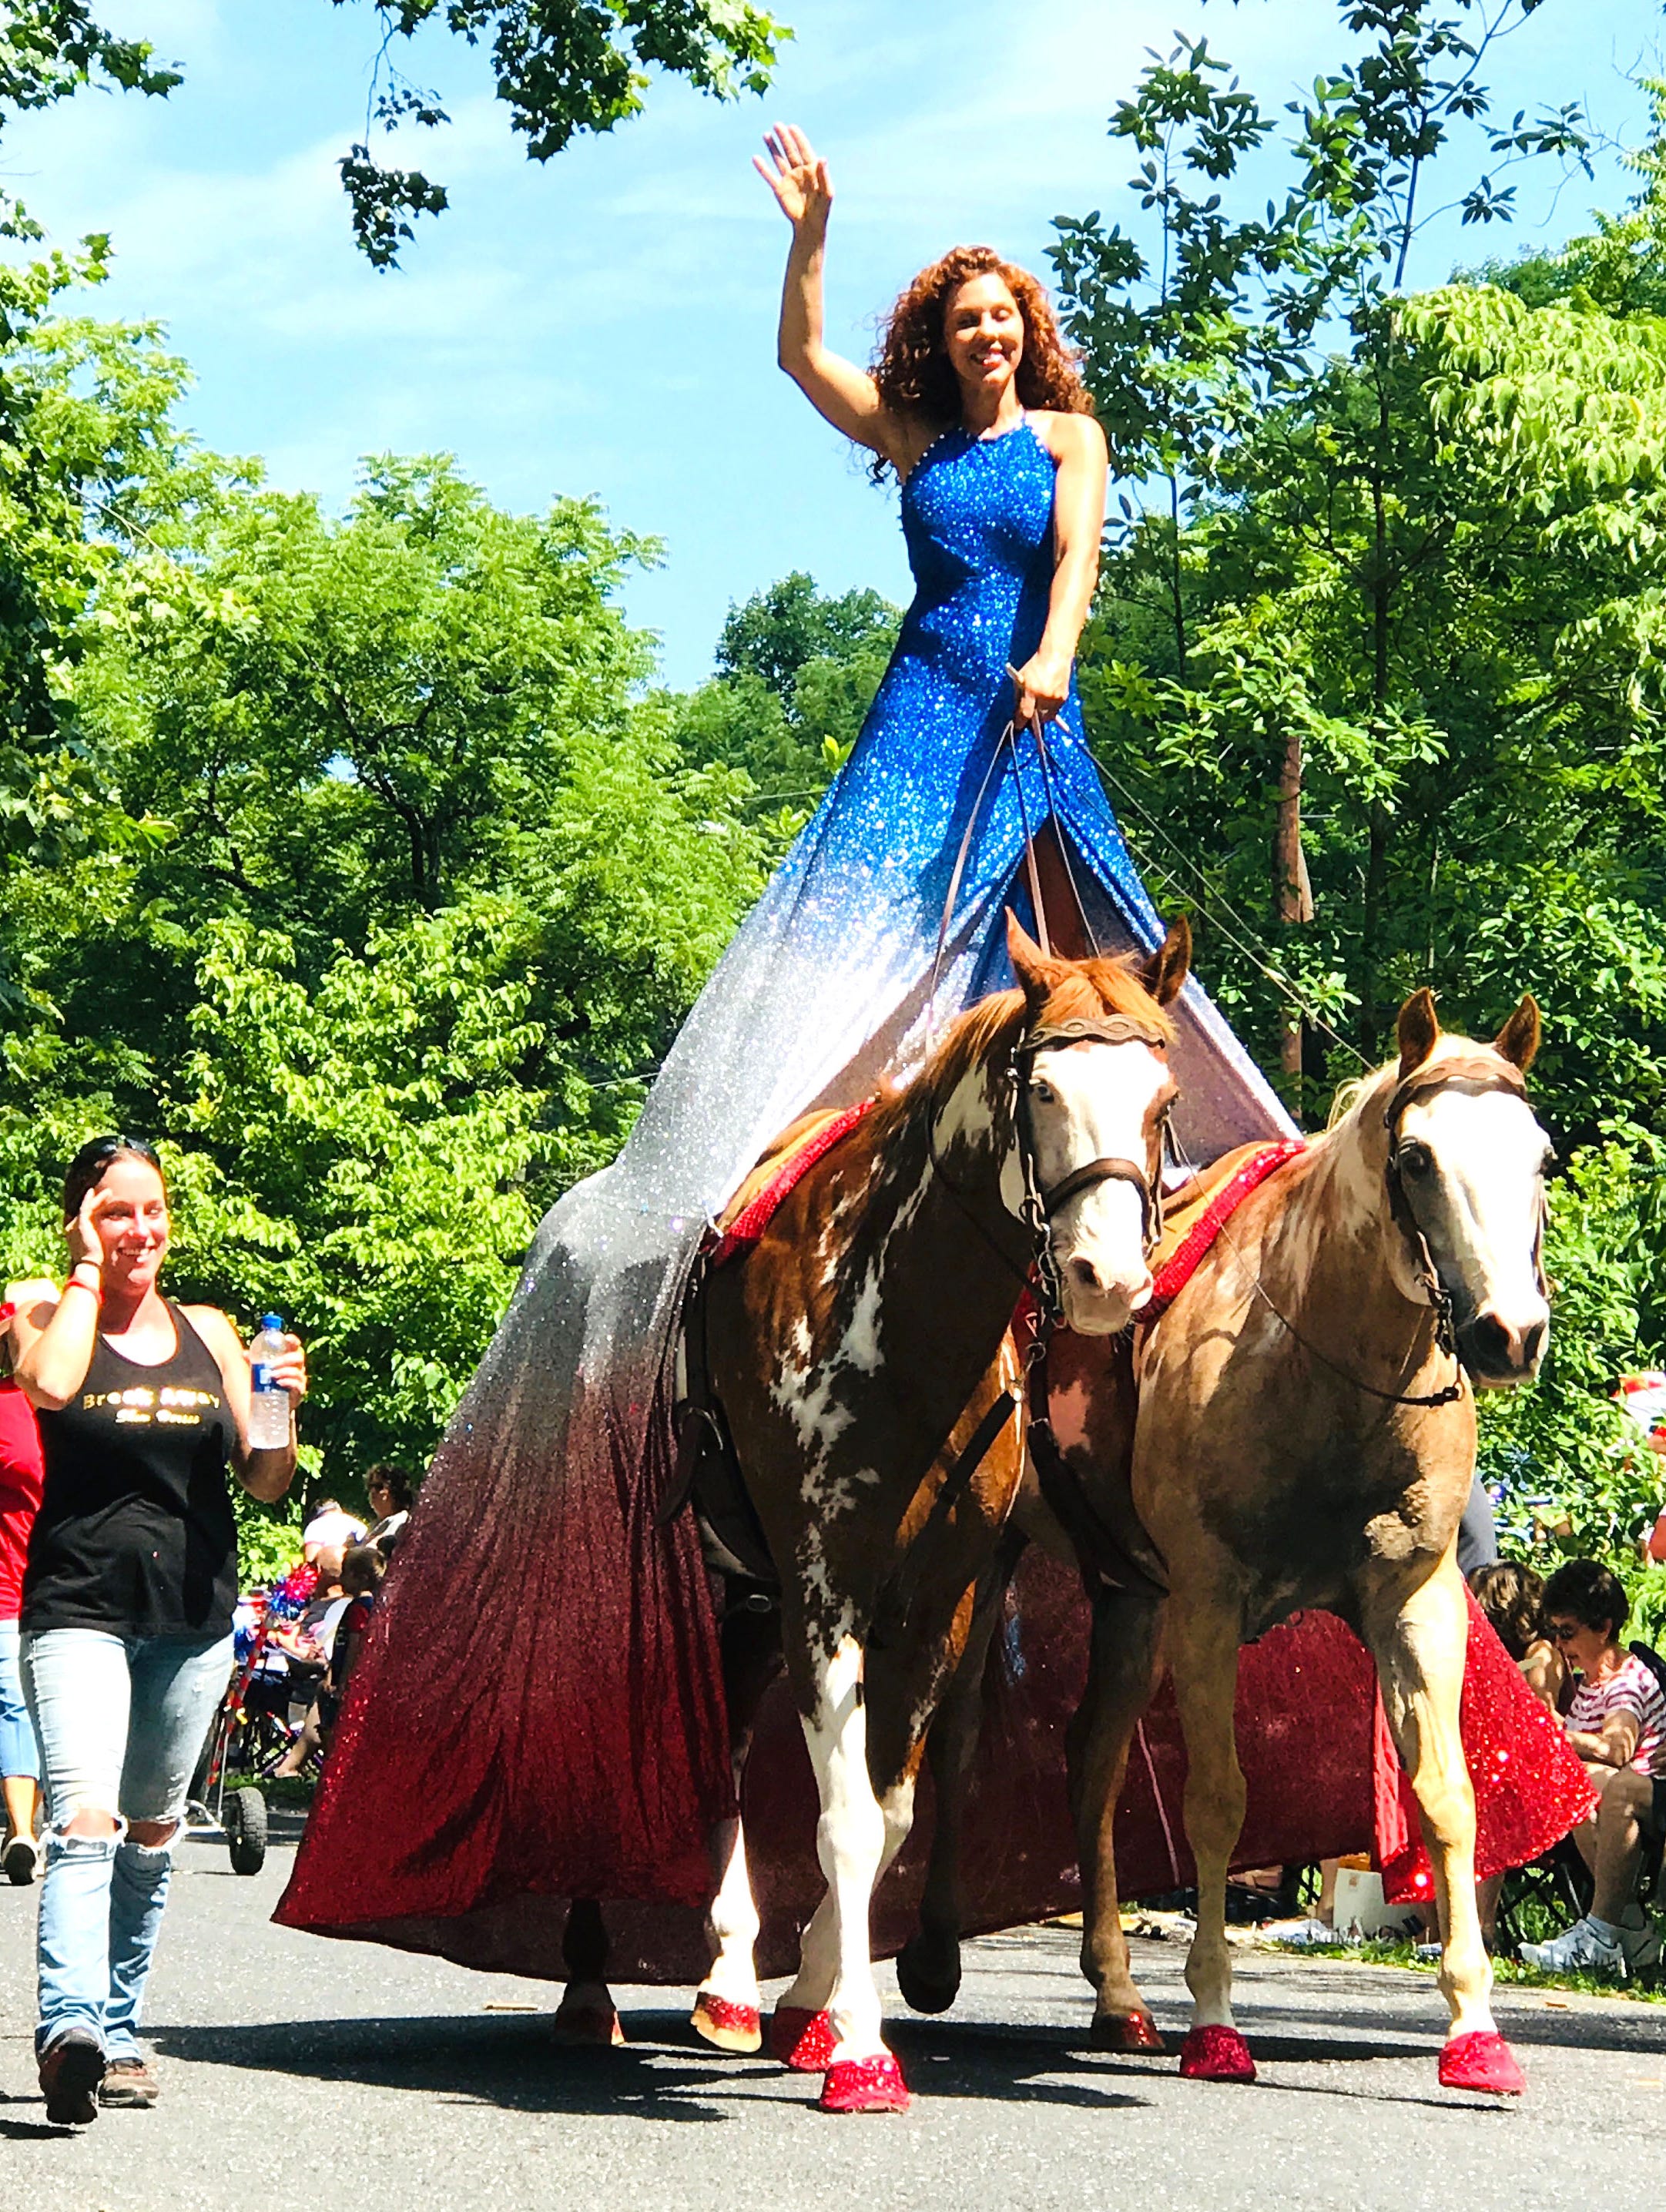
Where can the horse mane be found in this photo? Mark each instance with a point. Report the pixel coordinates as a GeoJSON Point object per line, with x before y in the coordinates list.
{"type": "Point", "coordinates": [1081, 990]}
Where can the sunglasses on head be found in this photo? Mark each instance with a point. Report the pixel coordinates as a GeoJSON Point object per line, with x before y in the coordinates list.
{"type": "Point", "coordinates": [112, 1148]}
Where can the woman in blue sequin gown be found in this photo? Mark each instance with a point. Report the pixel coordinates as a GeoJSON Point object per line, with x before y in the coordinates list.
{"type": "Point", "coordinates": [570, 1739]}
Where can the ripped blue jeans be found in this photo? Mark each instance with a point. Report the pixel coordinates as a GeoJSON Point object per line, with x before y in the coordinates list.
{"type": "Point", "coordinates": [121, 1722]}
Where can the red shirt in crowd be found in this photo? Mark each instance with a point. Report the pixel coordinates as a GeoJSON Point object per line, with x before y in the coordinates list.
{"type": "Point", "coordinates": [20, 1492]}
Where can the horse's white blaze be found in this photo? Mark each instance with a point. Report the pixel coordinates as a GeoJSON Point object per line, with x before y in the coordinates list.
{"type": "Point", "coordinates": [1488, 1151]}
{"type": "Point", "coordinates": [1093, 1101]}
{"type": "Point", "coordinates": [850, 1843]}
{"type": "Point", "coordinates": [733, 1922]}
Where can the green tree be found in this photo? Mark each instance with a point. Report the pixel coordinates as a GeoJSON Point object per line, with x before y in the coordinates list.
{"type": "Point", "coordinates": [1621, 266]}
{"type": "Point", "coordinates": [340, 717]}
{"type": "Point", "coordinates": [48, 51]}
{"type": "Point", "coordinates": [1189, 353]}
{"type": "Point", "coordinates": [1376, 674]}
{"type": "Point", "coordinates": [427, 890]}
{"type": "Point", "coordinates": [796, 673]}
{"type": "Point", "coordinates": [90, 460]}
{"type": "Point", "coordinates": [561, 66]}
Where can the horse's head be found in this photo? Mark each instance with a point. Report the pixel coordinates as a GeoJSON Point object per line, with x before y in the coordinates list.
{"type": "Point", "coordinates": [1093, 1094]}
{"type": "Point", "coordinates": [1466, 1166]}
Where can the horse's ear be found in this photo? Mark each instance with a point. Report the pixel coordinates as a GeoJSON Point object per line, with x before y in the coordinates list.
{"type": "Point", "coordinates": [1036, 974]}
{"type": "Point", "coordinates": [1518, 1040]}
{"type": "Point", "coordinates": [1168, 968]}
{"type": "Point", "coordinates": [1419, 1030]}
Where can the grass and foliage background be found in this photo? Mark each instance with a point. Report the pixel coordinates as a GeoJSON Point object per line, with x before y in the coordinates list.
{"type": "Point", "coordinates": [363, 858]}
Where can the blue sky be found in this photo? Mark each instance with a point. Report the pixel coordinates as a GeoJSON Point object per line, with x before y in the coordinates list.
{"type": "Point", "coordinates": [604, 323]}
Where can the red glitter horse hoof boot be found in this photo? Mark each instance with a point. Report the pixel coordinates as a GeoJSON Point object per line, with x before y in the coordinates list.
{"type": "Point", "coordinates": [725, 2025]}
{"type": "Point", "coordinates": [801, 2041]}
{"type": "Point", "coordinates": [1481, 2060]}
{"type": "Point", "coordinates": [1125, 2032]}
{"type": "Point", "coordinates": [1216, 2054]}
{"type": "Point", "coordinates": [588, 2016]}
{"type": "Point", "coordinates": [864, 2085]}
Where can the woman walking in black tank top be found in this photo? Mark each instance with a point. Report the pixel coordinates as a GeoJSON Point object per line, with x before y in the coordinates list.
{"type": "Point", "coordinates": [127, 1602]}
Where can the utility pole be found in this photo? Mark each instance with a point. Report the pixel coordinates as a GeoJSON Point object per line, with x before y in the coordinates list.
{"type": "Point", "coordinates": [1293, 894]}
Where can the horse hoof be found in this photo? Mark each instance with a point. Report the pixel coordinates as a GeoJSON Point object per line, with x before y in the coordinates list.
{"type": "Point", "coordinates": [727, 2025]}
{"type": "Point", "coordinates": [1481, 2060]}
{"type": "Point", "coordinates": [922, 1991]}
{"type": "Point", "coordinates": [802, 2040]}
{"type": "Point", "coordinates": [589, 2021]}
{"type": "Point", "coordinates": [864, 2085]}
{"type": "Point", "coordinates": [1127, 2031]}
{"type": "Point", "coordinates": [1216, 2054]}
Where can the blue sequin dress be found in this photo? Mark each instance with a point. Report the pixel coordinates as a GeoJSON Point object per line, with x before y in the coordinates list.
{"type": "Point", "coordinates": [833, 965]}
{"type": "Point", "coordinates": [568, 1737]}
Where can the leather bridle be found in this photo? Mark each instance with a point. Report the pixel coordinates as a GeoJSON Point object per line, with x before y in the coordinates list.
{"type": "Point", "coordinates": [1475, 1075]}
{"type": "Point", "coordinates": [1042, 1201]}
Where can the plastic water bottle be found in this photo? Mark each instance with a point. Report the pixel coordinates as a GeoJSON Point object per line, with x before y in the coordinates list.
{"type": "Point", "coordinates": [268, 1405]}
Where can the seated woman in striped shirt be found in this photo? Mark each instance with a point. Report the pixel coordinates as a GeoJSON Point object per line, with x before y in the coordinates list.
{"type": "Point", "coordinates": [1617, 1725]}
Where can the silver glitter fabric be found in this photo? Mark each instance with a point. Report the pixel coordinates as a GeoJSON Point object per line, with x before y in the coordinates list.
{"type": "Point", "coordinates": [540, 1711]}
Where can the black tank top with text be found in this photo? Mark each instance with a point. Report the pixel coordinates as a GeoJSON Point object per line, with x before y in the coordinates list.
{"type": "Point", "coordinates": [134, 1533]}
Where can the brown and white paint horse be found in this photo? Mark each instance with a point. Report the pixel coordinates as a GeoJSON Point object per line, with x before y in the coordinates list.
{"type": "Point", "coordinates": [854, 1351]}
{"type": "Point", "coordinates": [1304, 1438]}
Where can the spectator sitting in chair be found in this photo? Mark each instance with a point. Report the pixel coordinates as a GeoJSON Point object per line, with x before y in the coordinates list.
{"type": "Point", "coordinates": [311, 1643]}
{"type": "Point", "coordinates": [1617, 1725]}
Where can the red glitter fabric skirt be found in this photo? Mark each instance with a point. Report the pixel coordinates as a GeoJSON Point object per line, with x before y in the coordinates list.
{"type": "Point", "coordinates": [474, 1861]}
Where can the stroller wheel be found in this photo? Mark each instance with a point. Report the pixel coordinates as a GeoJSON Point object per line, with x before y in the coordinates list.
{"type": "Point", "coordinates": [245, 1823]}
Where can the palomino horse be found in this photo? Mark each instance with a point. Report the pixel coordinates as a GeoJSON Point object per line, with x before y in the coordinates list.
{"type": "Point", "coordinates": [863, 1331]}
{"type": "Point", "coordinates": [1304, 1438]}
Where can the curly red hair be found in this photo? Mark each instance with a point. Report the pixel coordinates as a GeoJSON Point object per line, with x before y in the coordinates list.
{"type": "Point", "coordinates": [912, 367]}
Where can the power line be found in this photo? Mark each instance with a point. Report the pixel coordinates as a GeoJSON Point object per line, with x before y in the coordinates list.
{"type": "Point", "coordinates": [1280, 982]}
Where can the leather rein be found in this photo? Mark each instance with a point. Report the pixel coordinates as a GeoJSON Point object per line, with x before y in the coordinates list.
{"type": "Point", "coordinates": [1040, 1202]}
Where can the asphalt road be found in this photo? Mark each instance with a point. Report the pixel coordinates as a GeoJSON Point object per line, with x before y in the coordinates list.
{"type": "Point", "coordinates": [335, 2077]}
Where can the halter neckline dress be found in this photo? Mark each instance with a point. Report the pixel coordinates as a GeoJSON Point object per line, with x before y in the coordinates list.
{"type": "Point", "coordinates": [563, 1734]}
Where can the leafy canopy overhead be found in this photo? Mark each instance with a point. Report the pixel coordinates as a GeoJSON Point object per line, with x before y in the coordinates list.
{"type": "Point", "coordinates": [561, 66]}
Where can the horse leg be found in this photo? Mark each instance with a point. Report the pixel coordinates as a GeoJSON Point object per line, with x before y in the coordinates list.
{"type": "Point", "coordinates": [586, 2013]}
{"type": "Point", "coordinates": [726, 2006]}
{"type": "Point", "coordinates": [1420, 1648]}
{"type": "Point", "coordinates": [801, 2031]}
{"type": "Point", "coordinates": [928, 1965]}
{"type": "Point", "coordinates": [1203, 1649]}
{"type": "Point", "coordinates": [851, 1840]}
{"type": "Point", "coordinates": [801, 2027]}
{"type": "Point", "coordinates": [1122, 1668]}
